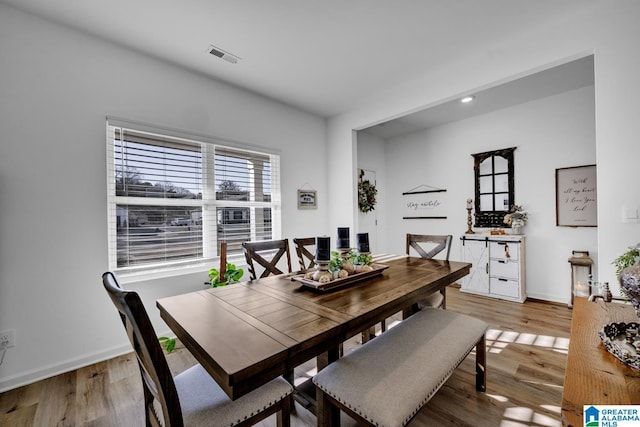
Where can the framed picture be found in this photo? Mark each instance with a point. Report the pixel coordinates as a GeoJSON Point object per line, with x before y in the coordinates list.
{"type": "Point", "coordinates": [576, 197]}
{"type": "Point", "coordinates": [307, 199]}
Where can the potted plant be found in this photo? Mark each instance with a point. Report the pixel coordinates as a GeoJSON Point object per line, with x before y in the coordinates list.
{"type": "Point", "coordinates": [335, 265]}
{"type": "Point", "coordinates": [231, 275]}
{"type": "Point", "coordinates": [628, 272]}
{"type": "Point", "coordinates": [627, 259]}
{"type": "Point", "coordinates": [516, 218]}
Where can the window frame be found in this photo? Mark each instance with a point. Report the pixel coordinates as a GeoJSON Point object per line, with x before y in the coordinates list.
{"type": "Point", "coordinates": [494, 217]}
{"type": "Point", "coordinates": [208, 202]}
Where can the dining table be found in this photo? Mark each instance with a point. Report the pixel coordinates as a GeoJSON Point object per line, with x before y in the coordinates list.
{"type": "Point", "coordinates": [249, 333]}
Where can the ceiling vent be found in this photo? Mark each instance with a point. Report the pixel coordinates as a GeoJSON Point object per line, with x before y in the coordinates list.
{"type": "Point", "coordinates": [229, 57]}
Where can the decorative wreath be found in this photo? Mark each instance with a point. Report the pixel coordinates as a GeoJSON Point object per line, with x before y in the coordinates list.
{"type": "Point", "coordinates": [366, 196]}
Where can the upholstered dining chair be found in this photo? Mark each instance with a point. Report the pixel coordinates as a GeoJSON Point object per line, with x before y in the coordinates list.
{"type": "Point", "coordinates": [430, 246]}
{"type": "Point", "coordinates": [192, 397]}
{"type": "Point", "coordinates": [266, 253]}
{"type": "Point", "coordinates": [306, 256]}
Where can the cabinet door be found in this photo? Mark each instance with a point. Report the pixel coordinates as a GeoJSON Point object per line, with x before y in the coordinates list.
{"type": "Point", "coordinates": [477, 253]}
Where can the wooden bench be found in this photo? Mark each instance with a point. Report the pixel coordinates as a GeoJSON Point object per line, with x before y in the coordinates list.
{"type": "Point", "coordinates": [387, 380]}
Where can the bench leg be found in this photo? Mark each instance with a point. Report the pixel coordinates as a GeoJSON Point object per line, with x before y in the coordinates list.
{"type": "Point", "coordinates": [481, 364]}
{"type": "Point", "coordinates": [328, 415]}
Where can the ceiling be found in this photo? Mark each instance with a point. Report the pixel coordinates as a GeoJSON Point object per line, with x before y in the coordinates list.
{"type": "Point", "coordinates": [324, 57]}
{"type": "Point", "coordinates": [569, 76]}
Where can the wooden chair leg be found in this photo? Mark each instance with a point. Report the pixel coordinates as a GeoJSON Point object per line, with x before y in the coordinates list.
{"type": "Point", "coordinates": [283, 416]}
{"type": "Point", "coordinates": [481, 364]}
{"type": "Point", "coordinates": [289, 375]}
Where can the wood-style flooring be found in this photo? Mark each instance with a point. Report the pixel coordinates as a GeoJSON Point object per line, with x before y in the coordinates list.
{"type": "Point", "coordinates": [526, 356]}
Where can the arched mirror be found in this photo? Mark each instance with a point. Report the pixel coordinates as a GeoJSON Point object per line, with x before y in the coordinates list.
{"type": "Point", "coordinates": [494, 192]}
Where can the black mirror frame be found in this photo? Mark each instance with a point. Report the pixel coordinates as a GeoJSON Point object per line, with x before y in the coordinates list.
{"type": "Point", "coordinates": [493, 218]}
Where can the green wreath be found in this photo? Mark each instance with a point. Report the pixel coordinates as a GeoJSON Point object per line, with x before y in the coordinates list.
{"type": "Point", "coordinates": [366, 196]}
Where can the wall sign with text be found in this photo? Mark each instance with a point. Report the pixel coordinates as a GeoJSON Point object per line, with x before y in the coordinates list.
{"type": "Point", "coordinates": [576, 197]}
{"type": "Point", "coordinates": [426, 204]}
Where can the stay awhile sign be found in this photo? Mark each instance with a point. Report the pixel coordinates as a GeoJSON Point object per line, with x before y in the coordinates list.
{"type": "Point", "coordinates": [428, 204]}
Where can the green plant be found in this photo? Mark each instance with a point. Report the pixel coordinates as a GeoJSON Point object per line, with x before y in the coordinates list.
{"type": "Point", "coordinates": [169, 344]}
{"type": "Point", "coordinates": [363, 259]}
{"type": "Point", "coordinates": [366, 196]}
{"type": "Point", "coordinates": [627, 259]}
{"type": "Point", "coordinates": [232, 275]}
{"type": "Point", "coordinates": [335, 263]}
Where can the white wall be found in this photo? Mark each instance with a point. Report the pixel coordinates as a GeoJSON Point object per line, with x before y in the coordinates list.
{"type": "Point", "coordinates": [56, 89]}
{"type": "Point", "coordinates": [549, 133]}
{"type": "Point", "coordinates": [371, 156]}
{"type": "Point", "coordinates": [606, 29]}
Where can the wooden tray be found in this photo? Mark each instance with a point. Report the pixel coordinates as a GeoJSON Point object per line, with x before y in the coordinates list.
{"type": "Point", "coordinates": [337, 283]}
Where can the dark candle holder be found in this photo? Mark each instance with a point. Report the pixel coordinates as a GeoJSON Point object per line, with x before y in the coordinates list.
{"type": "Point", "coordinates": [343, 238]}
{"type": "Point", "coordinates": [363, 242]}
{"type": "Point", "coordinates": [323, 249]}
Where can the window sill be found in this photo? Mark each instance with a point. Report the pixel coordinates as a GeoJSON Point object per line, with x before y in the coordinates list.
{"type": "Point", "coordinates": [125, 276]}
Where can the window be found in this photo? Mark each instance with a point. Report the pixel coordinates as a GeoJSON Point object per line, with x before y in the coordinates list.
{"type": "Point", "coordinates": [494, 196]}
{"type": "Point", "coordinates": [173, 199]}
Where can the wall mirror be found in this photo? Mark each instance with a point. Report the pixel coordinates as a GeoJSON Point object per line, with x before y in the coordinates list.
{"type": "Point", "coordinates": [494, 192]}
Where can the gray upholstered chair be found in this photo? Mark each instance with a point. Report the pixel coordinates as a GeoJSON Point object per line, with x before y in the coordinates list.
{"type": "Point", "coordinates": [191, 398]}
{"type": "Point", "coordinates": [429, 246]}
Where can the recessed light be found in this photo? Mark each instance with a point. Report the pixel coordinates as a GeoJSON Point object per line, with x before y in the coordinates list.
{"type": "Point", "coordinates": [467, 99]}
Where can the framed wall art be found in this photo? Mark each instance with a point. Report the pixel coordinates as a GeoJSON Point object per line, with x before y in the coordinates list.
{"type": "Point", "coordinates": [576, 197]}
{"type": "Point", "coordinates": [307, 199]}
{"type": "Point", "coordinates": [424, 202]}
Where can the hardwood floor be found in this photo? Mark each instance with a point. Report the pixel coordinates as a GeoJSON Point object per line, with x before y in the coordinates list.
{"type": "Point", "coordinates": [526, 356]}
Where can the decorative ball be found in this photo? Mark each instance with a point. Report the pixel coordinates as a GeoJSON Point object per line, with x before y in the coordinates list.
{"type": "Point", "coordinates": [325, 277]}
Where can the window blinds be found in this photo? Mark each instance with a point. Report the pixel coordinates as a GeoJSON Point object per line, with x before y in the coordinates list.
{"type": "Point", "coordinates": [173, 200]}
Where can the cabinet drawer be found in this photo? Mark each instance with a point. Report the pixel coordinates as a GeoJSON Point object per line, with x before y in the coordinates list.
{"type": "Point", "coordinates": [505, 287]}
{"type": "Point", "coordinates": [505, 269]}
{"type": "Point", "coordinates": [504, 250]}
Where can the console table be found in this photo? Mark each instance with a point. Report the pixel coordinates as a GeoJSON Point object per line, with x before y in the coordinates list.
{"type": "Point", "coordinates": [593, 376]}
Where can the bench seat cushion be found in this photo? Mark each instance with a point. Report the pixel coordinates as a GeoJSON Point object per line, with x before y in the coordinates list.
{"type": "Point", "coordinates": [388, 380]}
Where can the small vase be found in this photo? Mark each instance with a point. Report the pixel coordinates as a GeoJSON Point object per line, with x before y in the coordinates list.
{"type": "Point", "coordinates": [516, 226]}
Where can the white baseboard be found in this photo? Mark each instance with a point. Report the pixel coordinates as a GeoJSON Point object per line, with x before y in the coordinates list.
{"type": "Point", "coordinates": [25, 378]}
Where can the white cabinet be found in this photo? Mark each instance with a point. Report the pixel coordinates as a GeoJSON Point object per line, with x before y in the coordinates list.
{"type": "Point", "coordinates": [497, 266]}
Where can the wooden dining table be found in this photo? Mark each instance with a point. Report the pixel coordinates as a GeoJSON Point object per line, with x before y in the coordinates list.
{"type": "Point", "coordinates": [249, 333]}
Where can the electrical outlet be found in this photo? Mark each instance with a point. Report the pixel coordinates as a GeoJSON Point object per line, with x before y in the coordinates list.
{"type": "Point", "coordinates": [7, 339]}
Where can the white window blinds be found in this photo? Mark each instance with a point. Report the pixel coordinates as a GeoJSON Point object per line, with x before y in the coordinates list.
{"type": "Point", "coordinates": [173, 200]}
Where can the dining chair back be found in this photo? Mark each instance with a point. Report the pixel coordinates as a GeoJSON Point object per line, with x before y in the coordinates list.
{"type": "Point", "coordinates": [429, 245]}
{"type": "Point", "coordinates": [266, 253]}
{"type": "Point", "coordinates": [192, 397]}
{"type": "Point", "coordinates": [157, 381]}
{"type": "Point", "coordinates": [305, 251]}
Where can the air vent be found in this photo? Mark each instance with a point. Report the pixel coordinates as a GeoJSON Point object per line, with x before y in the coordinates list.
{"type": "Point", "coordinates": [229, 57]}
